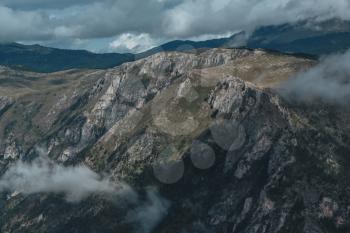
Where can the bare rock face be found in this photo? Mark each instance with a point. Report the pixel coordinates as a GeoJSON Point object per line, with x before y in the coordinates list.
{"type": "Point", "coordinates": [5, 103]}
{"type": "Point", "coordinates": [206, 130]}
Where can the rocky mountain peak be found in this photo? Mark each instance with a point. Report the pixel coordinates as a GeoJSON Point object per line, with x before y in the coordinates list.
{"type": "Point", "coordinates": [175, 142]}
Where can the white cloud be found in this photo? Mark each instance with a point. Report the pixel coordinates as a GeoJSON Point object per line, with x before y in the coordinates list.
{"type": "Point", "coordinates": [79, 182]}
{"type": "Point", "coordinates": [329, 81]}
{"type": "Point", "coordinates": [212, 36]}
{"type": "Point", "coordinates": [129, 42]}
{"type": "Point", "coordinates": [44, 176]}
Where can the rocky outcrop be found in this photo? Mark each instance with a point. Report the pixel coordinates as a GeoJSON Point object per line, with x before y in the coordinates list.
{"type": "Point", "coordinates": [5, 103]}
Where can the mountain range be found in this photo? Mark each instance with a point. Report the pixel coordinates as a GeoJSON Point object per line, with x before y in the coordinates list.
{"type": "Point", "coordinates": [314, 40]}
{"type": "Point", "coordinates": [175, 142]}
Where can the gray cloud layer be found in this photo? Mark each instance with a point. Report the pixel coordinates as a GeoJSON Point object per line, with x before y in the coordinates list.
{"type": "Point", "coordinates": [59, 20]}
{"type": "Point", "coordinates": [44, 4]}
{"type": "Point", "coordinates": [329, 81]}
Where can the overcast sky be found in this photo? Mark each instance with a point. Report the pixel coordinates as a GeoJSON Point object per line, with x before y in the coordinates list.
{"type": "Point", "coordinates": [136, 25]}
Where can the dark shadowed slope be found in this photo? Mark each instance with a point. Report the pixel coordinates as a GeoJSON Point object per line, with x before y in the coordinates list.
{"type": "Point", "coordinates": [43, 59]}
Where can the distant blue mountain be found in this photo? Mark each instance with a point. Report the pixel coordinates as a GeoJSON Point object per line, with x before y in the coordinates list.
{"type": "Point", "coordinates": [44, 59]}
{"type": "Point", "coordinates": [328, 37]}
{"type": "Point", "coordinates": [325, 38]}
{"type": "Point", "coordinates": [185, 45]}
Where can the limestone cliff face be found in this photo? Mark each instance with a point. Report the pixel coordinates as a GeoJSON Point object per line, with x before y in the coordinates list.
{"type": "Point", "coordinates": [205, 129]}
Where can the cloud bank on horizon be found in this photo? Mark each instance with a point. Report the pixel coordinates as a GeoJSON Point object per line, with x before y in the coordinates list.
{"type": "Point", "coordinates": [79, 23]}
